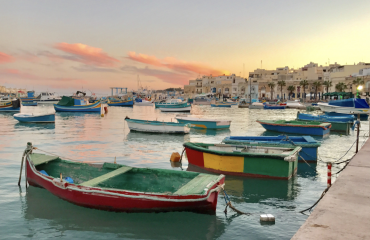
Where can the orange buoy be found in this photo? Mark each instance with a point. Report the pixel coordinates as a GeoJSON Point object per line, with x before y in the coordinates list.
{"type": "Point", "coordinates": [106, 110]}
{"type": "Point", "coordinates": [175, 157]}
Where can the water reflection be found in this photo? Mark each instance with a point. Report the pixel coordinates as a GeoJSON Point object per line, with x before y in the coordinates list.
{"type": "Point", "coordinates": [211, 132]}
{"type": "Point", "coordinates": [156, 137]}
{"type": "Point", "coordinates": [34, 126]}
{"type": "Point", "coordinates": [255, 190]}
{"type": "Point", "coordinates": [63, 216]}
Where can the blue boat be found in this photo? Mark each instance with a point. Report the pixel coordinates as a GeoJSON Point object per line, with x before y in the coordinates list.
{"type": "Point", "coordinates": [308, 144]}
{"type": "Point", "coordinates": [297, 127]}
{"type": "Point", "coordinates": [202, 123]}
{"type": "Point", "coordinates": [222, 104]}
{"type": "Point", "coordinates": [266, 106]}
{"type": "Point", "coordinates": [327, 118]}
{"type": "Point", "coordinates": [120, 103]}
{"type": "Point", "coordinates": [353, 106]}
{"type": "Point", "coordinates": [12, 106]}
{"type": "Point", "coordinates": [38, 118]}
{"type": "Point", "coordinates": [68, 104]}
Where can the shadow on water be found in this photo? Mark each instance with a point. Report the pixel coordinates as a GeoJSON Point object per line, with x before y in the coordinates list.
{"type": "Point", "coordinates": [71, 115]}
{"type": "Point", "coordinates": [34, 126]}
{"type": "Point", "coordinates": [211, 132]}
{"type": "Point", "coordinates": [255, 190]}
{"type": "Point", "coordinates": [63, 216]}
{"type": "Point", "coordinates": [155, 137]}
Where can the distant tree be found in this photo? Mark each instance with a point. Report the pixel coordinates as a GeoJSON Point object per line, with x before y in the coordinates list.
{"type": "Point", "coordinates": [291, 90]}
{"type": "Point", "coordinates": [304, 83]}
{"type": "Point", "coordinates": [357, 82]}
{"type": "Point", "coordinates": [341, 87]}
{"type": "Point", "coordinates": [271, 85]}
{"type": "Point", "coordinates": [327, 84]}
{"type": "Point", "coordinates": [316, 84]}
{"type": "Point", "coordinates": [281, 84]}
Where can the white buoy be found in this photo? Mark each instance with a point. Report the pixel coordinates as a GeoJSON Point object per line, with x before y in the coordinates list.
{"type": "Point", "coordinates": [267, 218]}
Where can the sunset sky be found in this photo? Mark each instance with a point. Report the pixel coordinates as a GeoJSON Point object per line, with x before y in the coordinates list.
{"type": "Point", "coordinates": [65, 46]}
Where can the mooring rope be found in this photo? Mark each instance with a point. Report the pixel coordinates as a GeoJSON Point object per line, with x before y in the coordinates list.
{"type": "Point", "coordinates": [228, 204]}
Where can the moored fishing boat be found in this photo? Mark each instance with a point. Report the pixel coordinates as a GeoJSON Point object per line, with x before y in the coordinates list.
{"type": "Point", "coordinates": [120, 102]}
{"type": "Point", "coordinates": [256, 105]}
{"type": "Point", "coordinates": [307, 143]}
{"type": "Point", "coordinates": [68, 104]}
{"type": "Point", "coordinates": [35, 118]}
{"type": "Point", "coordinates": [231, 102]}
{"type": "Point", "coordinates": [297, 127]}
{"type": "Point", "coordinates": [143, 102]}
{"type": "Point", "coordinates": [173, 105]}
{"type": "Point", "coordinates": [256, 161]}
{"type": "Point", "coordinates": [121, 188]}
{"type": "Point", "coordinates": [203, 123]}
{"type": "Point", "coordinates": [346, 106]}
{"type": "Point", "coordinates": [156, 126]}
{"type": "Point", "coordinates": [267, 106]}
{"type": "Point", "coordinates": [11, 106]}
{"type": "Point", "coordinates": [338, 123]}
{"type": "Point", "coordinates": [221, 104]}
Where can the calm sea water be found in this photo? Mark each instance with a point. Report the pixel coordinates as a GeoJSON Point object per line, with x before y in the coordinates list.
{"type": "Point", "coordinates": [36, 213]}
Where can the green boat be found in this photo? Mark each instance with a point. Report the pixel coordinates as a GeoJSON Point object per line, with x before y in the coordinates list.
{"type": "Point", "coordinates": [241, 160]}
{"type": "Point", "coordinates": [338, 124]}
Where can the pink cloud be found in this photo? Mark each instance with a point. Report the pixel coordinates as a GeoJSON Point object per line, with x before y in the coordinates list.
{"type": "Point", "coordinates": [5, 58]}
{"type": "Point", "coordinates": [86, 54]}
{"type": "Point", "coordinates": [175, 64]}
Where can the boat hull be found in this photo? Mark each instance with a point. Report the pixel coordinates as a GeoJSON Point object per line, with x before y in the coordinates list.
{"type": "Point", "coordinates": [8, 107]}
{"type": "Point", "coordinates": [27, 118]}
{"type": "Point", "coordinates": [122, 103]}
{"type": "Point", "coordinates": [247, 166]}
{"type": "Point", "coordinates": [156, 127]}
{"type": "Point", "coordinates": [273, 107]}
{"type": "Point", "coordinates": [124, 201]}
{"type": "Point", "coordinates": [183, 109]}
{"type": "Point", "coordinates": [199, 124]}
{"type": "Point", "coordinates": [221, 105]}
{"type": "Point", "coordinates": [317, 131]}
{"type": "Point", "coordinates": [95, 107]}
{"type": "Point", "coordinates": [325, 107]}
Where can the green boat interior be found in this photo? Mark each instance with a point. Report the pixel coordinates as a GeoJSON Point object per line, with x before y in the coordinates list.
{"type": "Point", "coordinates": [116, 176]}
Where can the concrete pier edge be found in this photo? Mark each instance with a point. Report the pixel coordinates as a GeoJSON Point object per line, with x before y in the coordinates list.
{"type": "Point", "coordinates": [344, 211]}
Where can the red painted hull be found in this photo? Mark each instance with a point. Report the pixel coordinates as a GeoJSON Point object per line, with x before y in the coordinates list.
{"type": "Point", "coordinates": [124, 201]}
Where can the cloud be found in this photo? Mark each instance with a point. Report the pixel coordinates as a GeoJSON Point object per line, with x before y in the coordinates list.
{"type": "Point", "coordinates": [85, 54]}
{"type": "Point", "coordinates": [176, 65]}
{"type": "Point", "coordinates": [88, 68]}
{"type": "Point", "coordinates": [165, 76]}
{"type": "Point", "coordinates": [5, 58]}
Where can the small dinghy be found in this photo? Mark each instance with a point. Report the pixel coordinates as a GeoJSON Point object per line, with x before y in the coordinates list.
{"type": "Point", "coordinates": [156, 126]}
{"type": "Point", "coordinates": [120, 188]}
{"type": "Point", "coordinates": [35, 118]}
{"type": "Point", "coordinates": [203, 123]}
{"type": "Point", "coordinates": [297, 127]}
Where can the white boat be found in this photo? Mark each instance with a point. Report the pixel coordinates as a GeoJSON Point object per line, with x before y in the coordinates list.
{"type": "Point", "coordinates": [176, 109]}
{"type": "Point", "coordinates": [47, 97]}
{"type": "Point", "coordinates": [256, 105]}
{"type": "Point", "coordinates": [144, 103]}
{"type": "Point", "coordinates": [156, 126]}
{"type": "Point", "coordinates": [203, 123]}
{"type": "Point", "coordinates": [295, 104]}
{"type": "Point", "coordinates": [346, 106]}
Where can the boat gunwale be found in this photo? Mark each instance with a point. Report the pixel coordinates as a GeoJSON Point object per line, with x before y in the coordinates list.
{"type": "Point", "coordinates": [149, 122]}
{"type": "Point", "coordinates": [198, 147]}
{"type": "Point", "coordinates": [134, 194]}
{"type": "Point", "coordinates": [288, 124]}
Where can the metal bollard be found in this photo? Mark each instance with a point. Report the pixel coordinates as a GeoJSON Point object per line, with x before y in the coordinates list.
{"type": "Point", "coordinates": [329, 174]}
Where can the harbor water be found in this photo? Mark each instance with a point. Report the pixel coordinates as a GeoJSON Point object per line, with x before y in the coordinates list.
{"type": "Point", "coordinates": [36, 213]}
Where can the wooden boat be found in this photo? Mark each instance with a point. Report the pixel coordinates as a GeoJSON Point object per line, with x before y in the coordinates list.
{"type": "Point", "coordinates": [338, 123]}
{"type": "Point", "coordinates": [267, 106]}
{"type": "Point", "coordinates": [256, 105]}
{"type": "Point", "coordinates": [307, 143]}
{"type": "Point", "coordinates": [115, 187]}
{"type": "Point", "coordinates": [35, 118]}
{"type": "Point", "coordinates": [248, 161]}
{"type": "Point", "coordinates": [173, 105]}
{"type": "Point", "coordinates": [68, 104]}
{"type": "Point", "coordinates": [120, 103]}
{"type": "Point", "coordinates": [11, 106]}
{"type": "Point", "coordinates": [221, 104]}
{"type": "Point", "coordinates": [203, 123]}
{"type": "Point", "coordinates": [297, 127]}
{"type": "Point", "coordinates": [156, 126]}
{"type": "Point", "coordinates": [346, 106]}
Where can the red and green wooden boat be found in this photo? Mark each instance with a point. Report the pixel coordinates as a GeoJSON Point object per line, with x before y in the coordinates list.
{"type": "Point", "coordinates": [120, 188]}
{"type": "Point", "coordinates": [248, 161]}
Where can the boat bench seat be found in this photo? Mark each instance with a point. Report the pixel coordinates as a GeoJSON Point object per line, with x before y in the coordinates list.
{"type": "Point", "coordinates": [197, 184]}
{"type": "Point", "coordinates": [95, 181]}
{"type": "Point", "coordinates": [39, 158]}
